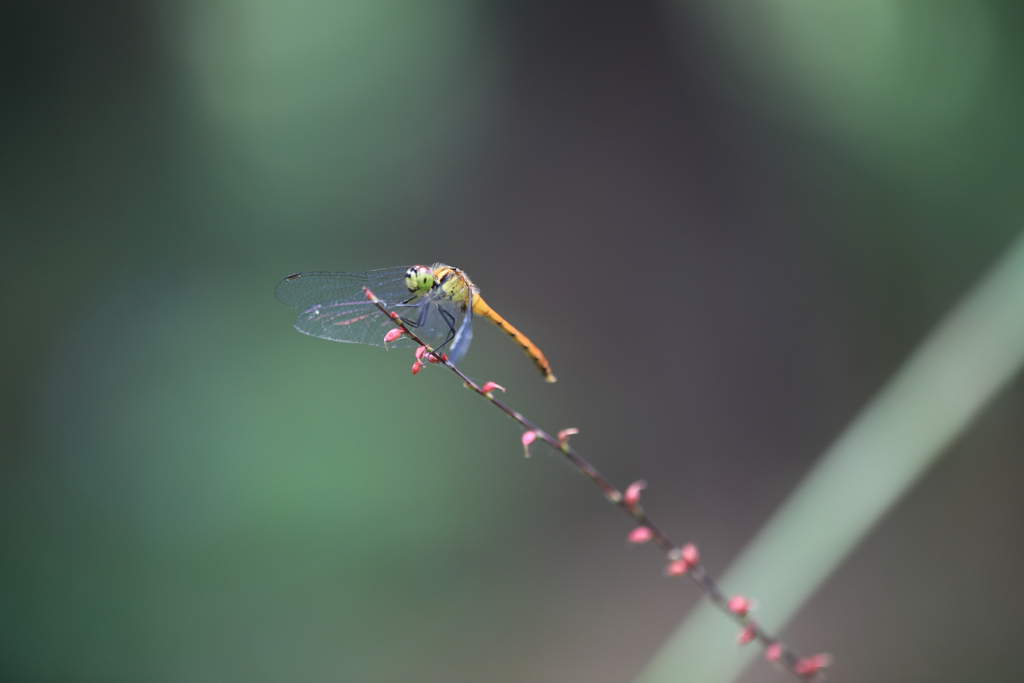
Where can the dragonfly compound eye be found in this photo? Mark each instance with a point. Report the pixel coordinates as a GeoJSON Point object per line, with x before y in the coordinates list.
{"type": "Point", "coordinates": [419, 279]}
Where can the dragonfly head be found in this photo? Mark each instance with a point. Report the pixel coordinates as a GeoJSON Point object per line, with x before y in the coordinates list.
{"type": "Point", "coordinates": [419, 279]}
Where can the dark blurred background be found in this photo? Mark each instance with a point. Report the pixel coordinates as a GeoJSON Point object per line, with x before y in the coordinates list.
{"type": "Point", "coordinates": [726, 224]}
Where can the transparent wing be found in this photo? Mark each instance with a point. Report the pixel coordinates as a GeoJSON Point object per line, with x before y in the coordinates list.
{"type": "Point", "coordinates": [304, 290]}
{"type": "Point", "coordinates": [359, 322]}
{"type": "Point", "coordinates": [464, 335]}
{"type": "Point", "coordinates": [334, 306]}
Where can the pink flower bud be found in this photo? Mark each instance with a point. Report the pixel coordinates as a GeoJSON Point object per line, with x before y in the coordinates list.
{"type": "Point", "coordinates": [641, 534]}
{"type": "Point", "coordinates": [677, 568]}
{"type": "Point", "coordinates": [563, 436]}
{"type": "Point", "coordinates": [809, 666]}
{"type": "Point", "coordinates": [748, 633]}
{"type": "Point", "coordinates": [416, 367]}
{"type": "Point", "coordinates": [690, 555]}
{"type": "Point", "coordinates": [369, 294]}
{"type": "Point", "coordinates": [491, 386]}
{"type": "Point", "coordinates": [433, 359]}
{"type": "Point", "coordinates": [528, 438]}
{"type": "Point", "coordinates": [632, 495]}
{"type": "Point", "coordinates": [739, 605]}
{"type": "Point", "coordinates": [420, 350]}
{"type": "Point", "coordinates": [773, 652]}
{"type": "Point", "coordinates": [392, 335]}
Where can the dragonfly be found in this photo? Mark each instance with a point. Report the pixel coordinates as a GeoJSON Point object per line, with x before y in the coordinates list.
{"type": "Point", "coordinates": [437, 303]}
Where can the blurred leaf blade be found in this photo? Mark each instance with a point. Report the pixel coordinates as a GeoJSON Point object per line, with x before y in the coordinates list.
{"type": "Point", "coordinates": [973, 353]}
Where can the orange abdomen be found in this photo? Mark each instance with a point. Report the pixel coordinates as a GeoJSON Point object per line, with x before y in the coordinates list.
{"type": "Point", "coordinates": [481, 309]}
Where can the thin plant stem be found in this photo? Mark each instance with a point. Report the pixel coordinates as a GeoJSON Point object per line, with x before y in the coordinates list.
{"type": "Point", "coordinates": [803, 668]}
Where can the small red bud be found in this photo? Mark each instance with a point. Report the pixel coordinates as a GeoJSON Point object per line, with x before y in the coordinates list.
{"type": "Point", "coordinates": [748, 633]}
{"type": "Point", "coordinates": [392, 335]}
{"type": "Point", "coordinates": [491, 386]}
{"type": "Point", "coordinates": [808, 666]}
{"type": "Point", "coordinates": [739, 605]}
{"type": "Point", "coordinates": [773, 652]}
{"type": "Point", "coordinates": [528, 438]}
{"type": "Point", "coordinates": [677, 568]}
{"type": "Point", "coordinates": [641, 534]}
{"type": "Point", "coordinates": [563, 436]}
{"type": "Point", "coordinates": [632, 495]}
{"type": "Point", "coordinates": [416, 367]}
{"type": "Point", "coordinates": [686, 559]}
{"type": "Point", "coordinates": [420, 350]}
{"type": "Point", "coordinates": [369, 294]}
{"type": "Point", "coordinates": [434, 359]}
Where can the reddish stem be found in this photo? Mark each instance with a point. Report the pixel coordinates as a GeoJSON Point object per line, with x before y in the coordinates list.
{"type": "Point", "coordinates": [780, 654]}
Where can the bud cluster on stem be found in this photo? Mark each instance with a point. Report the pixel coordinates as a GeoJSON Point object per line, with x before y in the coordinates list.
{"type": "Point", "coordinates": [682, 561]}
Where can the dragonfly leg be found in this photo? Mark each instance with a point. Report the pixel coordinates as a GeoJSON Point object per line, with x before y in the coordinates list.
{"type": "Point", "coordinates": [421, 319]}
{"type": "Point", "coordinates": [409, 322]}
{"type": "Point", "coordinates": [450, 320]}
{"type": "Point", "coordinates": [418, 318]}
{"type": "Point", "coordinates": [446, 316]}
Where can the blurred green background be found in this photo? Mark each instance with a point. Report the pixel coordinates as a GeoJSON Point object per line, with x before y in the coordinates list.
{"type": "Point", "coordinates": [726, 224]}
